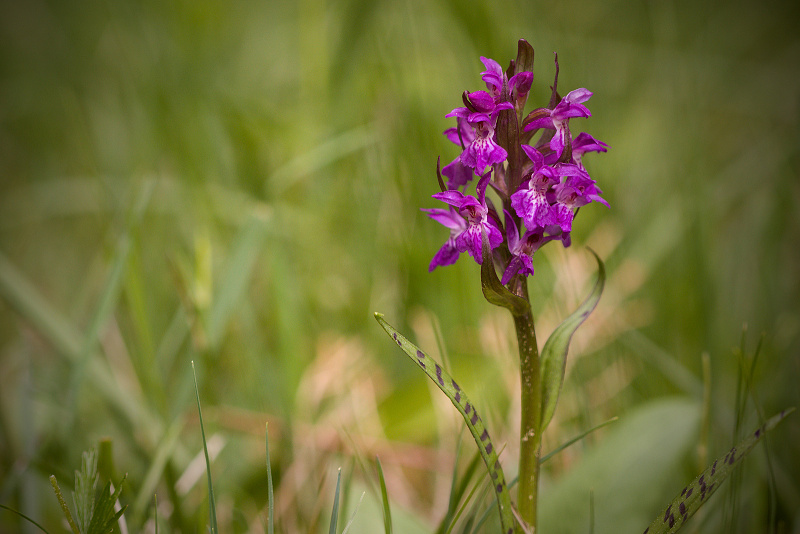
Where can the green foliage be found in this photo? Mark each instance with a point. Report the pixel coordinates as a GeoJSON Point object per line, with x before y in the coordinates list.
{"type": "Point", "coordinates": [212, 506]}
{"type": "Point", "coordinates": [95, 511]}
{"type": "Point", "coordinates": [554, 352]}
{"type": "Point", "coordinates": [474, 423]}
{"type": "Point", "coordinates": [270, 493]}
{"type": "Point", "coordinates": [697, 492]}
{"type": "Point", "coordinates": [626, 471]}
{"type": "Point", "coordinates": [335, 510]}
{"type": "Point", "coordinates": [387, 512]}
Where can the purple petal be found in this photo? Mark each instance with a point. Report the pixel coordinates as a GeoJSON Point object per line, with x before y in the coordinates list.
{"type": "Point", "coordinates": [532, 207]}
{"type": "Point", "coordinates": [449, 218]}
{"type": "Point", "coordinates": [521, 81]}
{"type": "Point", "coordinates": [578, 96]}
{"type": "Point", "coordinates": [483, 101]}
{"type": "Point", "coordinates": [452, 197]}
{"type": "Point", "coordinates": [447, 255]}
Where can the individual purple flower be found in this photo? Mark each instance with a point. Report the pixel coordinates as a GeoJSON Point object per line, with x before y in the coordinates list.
{"type": "Point", "coordinates": [576, 190]}
{"type": "Point", "coordinates": [518, 86]}
{"type": "Point", "coordinates": [483, 150]}
{"type": "Point", "coordinates": [457, 173]}
{"type": "Point", "coordinates": [585, 143]}
{"type": "Point", "coordinates": [531, 202]}
{"type": "Point", "coordinates": [522, 249]}
{"type": "Point", "coordinates": [557, 119]}
{"type": "Point", "coordinates": [448, 254]}
{"type": "Point", "coordinates": [468, 218]}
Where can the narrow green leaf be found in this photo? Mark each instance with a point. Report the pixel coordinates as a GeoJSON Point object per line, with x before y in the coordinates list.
{"type": "Point", "coordinates": [467, 410]}
{"type": "Point", "coordinates": [104, 516]}
{"type": "Point", "coordinates": [452, 503]}
{"type": "Point", "coordinates": [387, 513]}
{"type": "Point", "coordinates": [212, 510]}
{"type": "Point", "coordinates": [554, 353]}
{"type": "Point", "coordinates": [575, 439]}
{"type": "Point", "coordinates": [335, 511]}
{"type": "Point", "coordinates": [682, 507]}
{"type": "Point", "coordinates": [270, 494]}
{"type": "Point", "coordinates": [353, 516]}
{"type": "Point", "coordinates": [25, 517]}
{"type": "Point", "coordinates": [155, 511]}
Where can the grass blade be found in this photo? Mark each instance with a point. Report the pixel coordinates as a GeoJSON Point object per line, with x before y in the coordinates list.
{"type": "Point", "coordinates": [212, 510]}
{"type": "Point", "coordinates": [270, 495]}
{"type": "Point", "coordinates": [25, 517]}
{"type": "Point", "coordinates": [476, 427]}
{"type": "Point", "coordinates": [387, 513]}
{"type": "Point", "coordinates": [682, 507]}
{"type": "Point", "coordinates": [353, 516]}
{"type": "Point", "coordinates": [575, 439]}
{"type": "Point", "coordinates": [554, 353]}
{"type": "Point", "coordinates": [335, 511]}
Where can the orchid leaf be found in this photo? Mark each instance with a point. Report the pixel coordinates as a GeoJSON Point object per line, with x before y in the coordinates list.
{"type": "Point", "coordinates": [682, 507]}
{"type": "Point", "coordinates": [554, 353]}
{"type": "Point", "coordinates": [474, 422]}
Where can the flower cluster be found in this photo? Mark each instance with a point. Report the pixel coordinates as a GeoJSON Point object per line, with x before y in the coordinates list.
{"type": "Point", "coordinates": [541, 185]}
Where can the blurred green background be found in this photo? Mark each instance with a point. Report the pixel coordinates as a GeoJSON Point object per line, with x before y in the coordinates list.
{"type": "Point", "coordinates": [238, 184]}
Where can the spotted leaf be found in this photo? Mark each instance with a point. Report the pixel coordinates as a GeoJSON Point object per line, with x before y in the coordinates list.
{"type": "Point", "coordinates": [682, 507]}
{"type": "Point", "coordinates": [474, 422]}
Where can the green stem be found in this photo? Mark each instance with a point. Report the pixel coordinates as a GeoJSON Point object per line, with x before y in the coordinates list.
{"type": "Point", "coordinates": [531, 413]}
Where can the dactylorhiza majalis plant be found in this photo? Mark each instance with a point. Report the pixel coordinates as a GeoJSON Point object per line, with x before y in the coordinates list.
{"type": "Point", "coordinates": [534, 164]}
